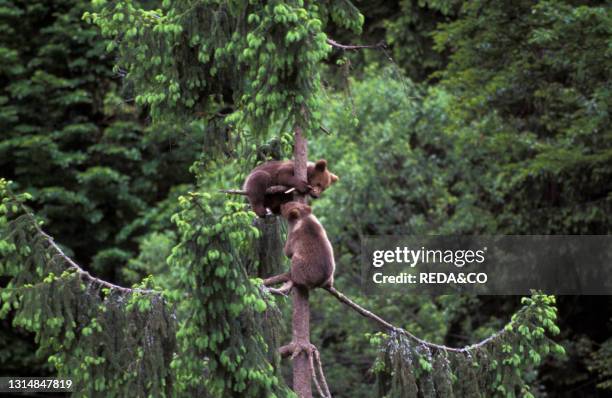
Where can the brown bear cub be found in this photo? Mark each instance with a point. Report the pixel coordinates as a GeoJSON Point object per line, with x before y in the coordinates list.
{"type": "Point", "coordinates": [311, 253]}
{"type": "Point", "coordinates": [281, 173]}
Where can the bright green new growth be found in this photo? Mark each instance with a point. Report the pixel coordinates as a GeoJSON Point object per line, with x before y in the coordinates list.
{"type": "Point", "coordinates": [499, 367]}
{"type": "Point", "coordinates": [192, 59]}
{"type": "Point", "coordinates": [106, 340]}
{"type": "Point", "coordinates": [121, 341]}
{"type": "Point", "coordinates": [227, 340]}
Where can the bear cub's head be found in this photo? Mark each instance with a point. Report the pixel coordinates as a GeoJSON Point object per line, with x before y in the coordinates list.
{"type": "Point", "coordinates": [320, 178]}
{"type": "Point", "coordinates": [294, 211]}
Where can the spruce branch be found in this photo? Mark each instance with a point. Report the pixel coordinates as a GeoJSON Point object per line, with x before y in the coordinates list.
{"type": "Point", "coordinates": [58, 252]}
{"type": "Point", "coordinates": [86, 274]}
{"type": "Point", "coordinates": [368, 314]}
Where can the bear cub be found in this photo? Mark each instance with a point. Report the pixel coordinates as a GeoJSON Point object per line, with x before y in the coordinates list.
{"type": "Point", "coordinates": [311, 253]}
{"type": "Point", "coordinates": [281, 173]}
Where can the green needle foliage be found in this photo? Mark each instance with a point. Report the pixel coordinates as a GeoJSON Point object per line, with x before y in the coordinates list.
{"type": "Point", "coordinates": [531, 89]}
{"type": "Point", "coordinates": [108, 341]}
{"type": "Point", "coordinates": [195, 58]}
{"type": "Point", "coordinates": [502, 366]}
{"type": "Point", "coordinates": [227, 339]}
{"type": "Point", "coordinates": [70, 140]}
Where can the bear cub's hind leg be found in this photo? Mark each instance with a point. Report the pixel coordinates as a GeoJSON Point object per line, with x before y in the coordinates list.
{"type": "Point", "coordinates": [255, 187]}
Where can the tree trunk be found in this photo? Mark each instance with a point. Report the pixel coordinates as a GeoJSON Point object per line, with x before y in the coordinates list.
{"type": "Point", "coordinates": [301, 307]}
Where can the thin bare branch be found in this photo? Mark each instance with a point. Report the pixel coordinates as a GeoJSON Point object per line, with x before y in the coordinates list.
{"type": "Point", "coordinates": [72, 264]}
{"type": "Point", "coordinates": [314, 376]}
{"type": "Point", "coordinates": [282, 291]}
{"type": "Point", "coordinates": [325, 130]}
{"type": "Point", "coordinates": [317, 358]}
{"type": "Point", "coordinates": [335, 44]}
{"type": "Point", "coordinates": [272, 190]}
{"type": "Point", "coordinates": [286, 350]}
{"type": "Point", "coordinates": [368, 314]}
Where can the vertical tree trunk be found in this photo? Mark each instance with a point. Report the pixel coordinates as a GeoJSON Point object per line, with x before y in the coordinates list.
{"type": "Point", "coordinates": [301, 334]}
{"type": "Point", "coordinates": [301, 307]}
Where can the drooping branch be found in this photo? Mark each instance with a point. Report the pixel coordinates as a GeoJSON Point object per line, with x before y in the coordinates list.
{"type": "Point", "coordinates": [386, 325]}
{"type": "Point", "coordinates": [73, 265]}
{"type": "Point", "coordinates": [86, 274]}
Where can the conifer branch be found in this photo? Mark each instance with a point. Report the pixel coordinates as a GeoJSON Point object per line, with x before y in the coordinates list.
{"type": "Point", "coordinates": [72, 264]}
{"type": "Point", "coordinates": [368, 314]}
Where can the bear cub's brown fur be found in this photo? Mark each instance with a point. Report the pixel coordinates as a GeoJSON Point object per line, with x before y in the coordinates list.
{"type": "Point", "coordinates": [281, 173]}
{"type": "Point", "coordinates": [311, 253]}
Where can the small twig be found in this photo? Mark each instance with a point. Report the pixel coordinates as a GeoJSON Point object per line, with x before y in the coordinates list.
{"type": "Point", "coordinates": [321, 374]}
{"type": "Point", "coordinates": [317, 359]}
{"type": "Point", "coordinates": [272, 190]}
{"type": "Point", "coordinates": [368, 314]}
{"type": "Point", "coordinates": [335, 44]}
{"type": "Point", "coordinates": [325, 130]}
{"type": "Point", "coordinates": [233, 191]}
{"type": "Point", "coordinates": [282, 291]}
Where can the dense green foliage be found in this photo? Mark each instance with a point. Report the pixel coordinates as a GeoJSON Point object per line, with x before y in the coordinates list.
{"type": "Point", "coordinates": [500, 367]}
{"type": "Point", "coordinates": [491, 117]}
{"type": "Point", "coordinates": [70, 140]}
{"type": "Point", "coordinates": [543, 93]}
{"type": "Point", "coordinates": [96, 172]}
{"type": "Point", "coordinates": [195, 58]}
{"type": "Point", "coordinates": [103, 339]}
{"type": "Point", "coordinates": [224, 316]}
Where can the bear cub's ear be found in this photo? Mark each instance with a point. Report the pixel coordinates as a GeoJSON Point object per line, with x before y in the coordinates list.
{"type": "Point", "coordinates": [293, 214]}
{"type": "Point", "coordinates": [333, 177]}
{"type": "Point", "coordinates": [321, 165]}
